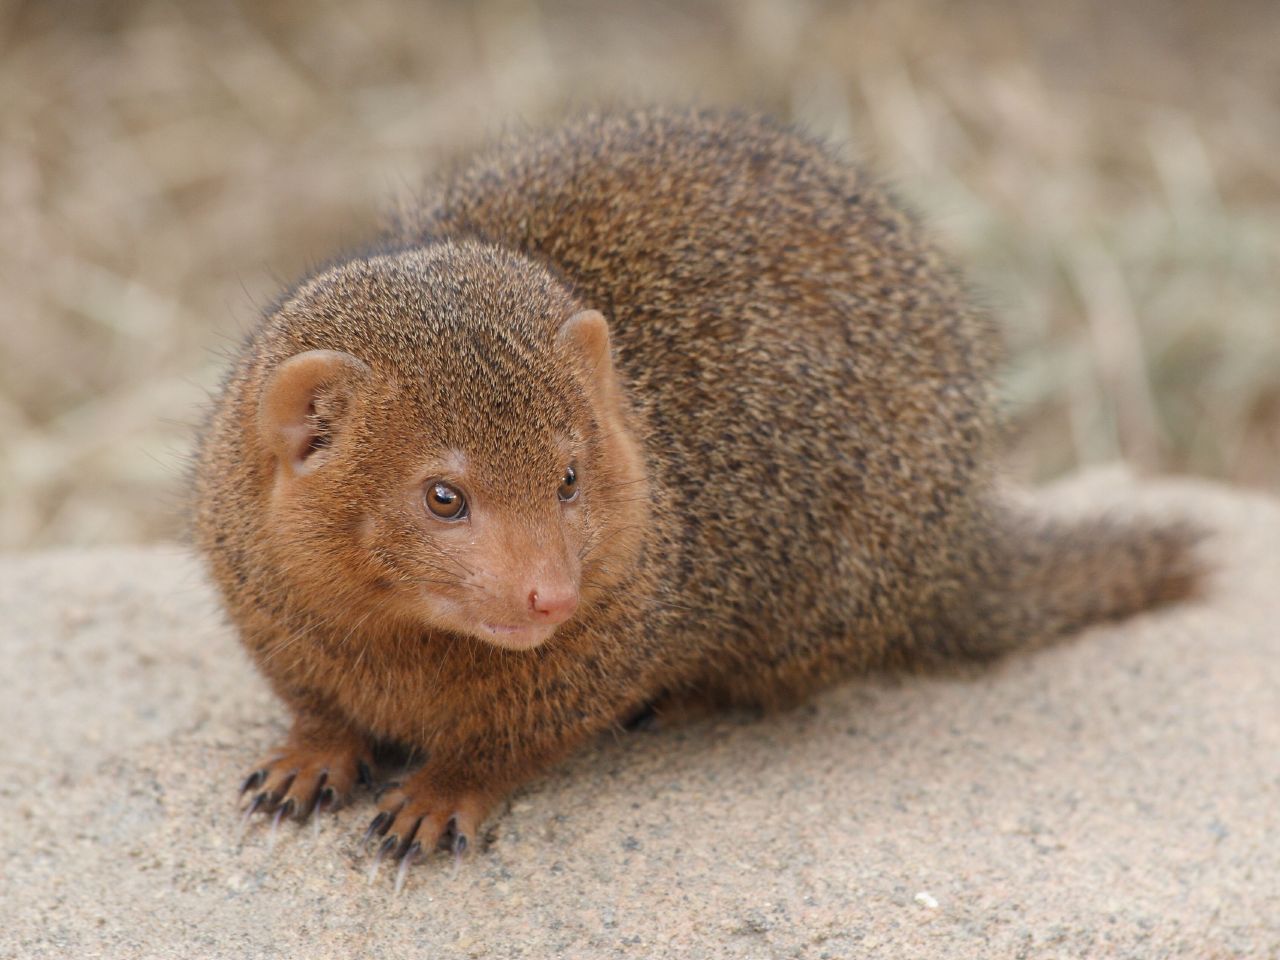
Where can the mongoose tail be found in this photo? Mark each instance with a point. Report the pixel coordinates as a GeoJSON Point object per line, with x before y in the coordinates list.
{"type": "Point", "coordinates": [1041, 578]}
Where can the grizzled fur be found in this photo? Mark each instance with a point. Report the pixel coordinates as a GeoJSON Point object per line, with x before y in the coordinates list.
{"type": "Point", "coordinates": [809, 391]}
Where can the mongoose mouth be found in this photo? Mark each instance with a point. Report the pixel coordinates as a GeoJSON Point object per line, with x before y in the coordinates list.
{"type": "Point", "coordinates": [518, 637]}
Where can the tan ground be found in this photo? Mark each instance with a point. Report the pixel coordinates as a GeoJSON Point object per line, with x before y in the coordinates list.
{"type": "Point", "coordinates": [1115, 796]}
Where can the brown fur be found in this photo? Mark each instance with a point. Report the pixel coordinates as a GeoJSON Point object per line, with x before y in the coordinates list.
{"type": "Point", "coordinates": [785, 453]}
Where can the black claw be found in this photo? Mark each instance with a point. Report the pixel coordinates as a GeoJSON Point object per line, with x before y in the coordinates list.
{"type": "Point", "coordinates": [326, 798]}
{"type": "Point", "coordinates": [406, 861]}
{"type": "Point", "coordinates": [364, 774]}
{"type": "Point", "coordinates": [379, 825]}
{"type": "Point", "coordinates": [281, 790]}
{"type": "Point", "coordinates": [413, 832]}
{"type": "Point", "coordinates": [316, 797]}
{"type": "Point", "coordinates": [448, 835]}
{"type": "Point", "coordinates": [275, 822]}
{"type": "Point", "coordinates": [262, 802]}
{"type": "Point", "coordinates": [389, 845]}
{"type": "Point", "coordinates": [252, 780]}
{"type": "Point", "coordinates": [286, 809]}
{"type": "Point", "coordinates": [253, 807]}
{"type": "Point", "coordinates": [460, 845]}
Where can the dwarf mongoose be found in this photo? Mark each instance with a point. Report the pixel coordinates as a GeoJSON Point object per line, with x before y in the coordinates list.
{"type": "Point", "coordinates": [659, 405]}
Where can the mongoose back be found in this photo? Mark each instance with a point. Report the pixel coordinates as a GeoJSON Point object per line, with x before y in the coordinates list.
{"type": "Point", "coordinates": [656, 405]}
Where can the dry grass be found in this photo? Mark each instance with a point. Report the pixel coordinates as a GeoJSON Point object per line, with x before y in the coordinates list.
{"type": "Point", "coordinates": [1110, 173]}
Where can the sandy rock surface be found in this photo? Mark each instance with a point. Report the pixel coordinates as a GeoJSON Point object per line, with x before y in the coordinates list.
{"type": "Point", "coordinates": [1118, 795]}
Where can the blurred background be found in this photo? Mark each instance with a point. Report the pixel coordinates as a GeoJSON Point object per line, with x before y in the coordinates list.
{"type": "Point", "coordinates": [1107, 173]}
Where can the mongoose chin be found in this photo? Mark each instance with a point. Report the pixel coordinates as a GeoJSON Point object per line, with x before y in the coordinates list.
{"type": "Point", "coordinates": [656, 406]}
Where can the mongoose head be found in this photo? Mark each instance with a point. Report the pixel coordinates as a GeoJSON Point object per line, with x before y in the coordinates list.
{"type": "Point", "coordinates": [445, 443]}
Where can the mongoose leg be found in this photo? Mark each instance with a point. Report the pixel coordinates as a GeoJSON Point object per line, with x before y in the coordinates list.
{"type": "Point", "coordinates": [315, 769]}
{"type": "Point", "coordinates": [425, 810]}
{"type": "Point", "coordinates": [446, 800]}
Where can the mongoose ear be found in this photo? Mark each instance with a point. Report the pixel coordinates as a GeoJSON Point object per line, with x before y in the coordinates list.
{"type": "Point", "coordinates": [302, 404]}
{"type": "Point", "coordinates": [586, 334]}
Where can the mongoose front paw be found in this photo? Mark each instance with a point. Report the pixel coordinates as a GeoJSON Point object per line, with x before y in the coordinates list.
{"type": "Point", "coordinates": [419, 815]}
{"type": "Point", "coordinates": [298, 781]}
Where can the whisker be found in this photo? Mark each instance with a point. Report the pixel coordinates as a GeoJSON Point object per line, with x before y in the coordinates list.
{"type": "Point", "coordinates": [455, 582]}
{"type": "Point", "coordinates": [458, 563]}
{"type": "Point", "coordinates": [626, 483]}
{"type": "Point", "coordinates": [590, 547]}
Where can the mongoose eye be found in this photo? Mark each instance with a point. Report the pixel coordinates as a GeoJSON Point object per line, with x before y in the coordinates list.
{"type": "Point", "coordinates": [446, 502]}
{"type": "Point", "coordinates": [569, 484]}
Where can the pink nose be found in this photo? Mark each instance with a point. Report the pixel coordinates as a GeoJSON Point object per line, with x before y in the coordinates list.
{"type": "Point", "coordinates": [553, 603]}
